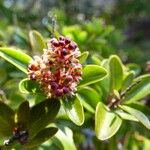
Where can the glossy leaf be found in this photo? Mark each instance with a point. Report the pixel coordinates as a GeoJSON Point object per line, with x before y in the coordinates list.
{"type": "Point", "coordinates": [89, 96]}
{"type": "Point", "coordinates": [37, 41]}
{"type": "Point", "coordinates": [65, 136]}
{"type": "Point", "coordinates": [128, 80]}
{"type": "Point", "coordinates": [29, 86]}
{"type": "Point", "coordinates": [42, 114]}
{"type": "Point", "coordinates": [15, 57]}
{"type": "Point", "coordinates": [85, 104]}
{"type": "Point", "coordinates": [41, 137]}
{"type": "Point", "coordinates": [74, 110]}
{"type": "Point", "coordinates": [134, 67]}
{"type": "Point", "coordinates": [125, 115]}
{"type": "Point", "coordinates": [141, 107]}
{"type": "Point", "coordinates": [6, 119]}
{"type": "Point", "coordinates": [116, 72]}
{"type": "Point", "coordinates": [92, 74]}
{"type": "Point", "coordinates": [23, 114]}
{"type": "Point", "coordinates": [140, 90]}
{"type": "Point", "coordinates": [82, 58]}
{"type": "Point", "coordinates": [106, 123]}
{"type": "Point", "coordinates": [96, 59]}
{"type": "Point", "coordinates": [138, 115]}
{"type": "Point", "coordinates": [105, 83]}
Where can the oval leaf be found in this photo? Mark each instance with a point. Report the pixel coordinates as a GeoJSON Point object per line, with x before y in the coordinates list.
{"type": "Point", "coordinates": [42, 114]}
{"type": "Point", "coordinates": [23, 114]}
{"type": "Point", "coordinates": [116, 72]}
{"type": "Point", "coordinates": [16, 57]}
{"type": "Point", "coordinates": [82, 58]}
{"type": "Point", "coordinates": [74, 110]}
{"type": "Point", "coordinates": [128, 80]}
{"type": "Point", "coordinates": [106, 123]}
{"type": "Point", "coordinates": [140, 90]}
{"type": "Point", "coordinates": [37, 41]}
{"type": "Point", "coordinates": [135, 68]}
{"type": "Point", "coordinates": [65, 136]}
{"type": "Point", "coordinates": [105, 83]}
{"type": "Point", "coordinates": [96, 59]}
{"type": "Point", "coordinates": [41, 137]}
{"type": "Point", "coordinates": [125, 115]}
{"type": "Point", "coordinates": [141, 107]}
{"type": "Point", "coordinates": [138, 115]}
{"type": "Point", "coordinates": [85, 104]}
{"type": "Point", "coordinates": [89, 96]}
{"type": "Point", "coordinates": [6, 119]}
{"type": "Point", "coordinates": [92, 74]}
{"type": "Point", "coordinates": [29, 86]}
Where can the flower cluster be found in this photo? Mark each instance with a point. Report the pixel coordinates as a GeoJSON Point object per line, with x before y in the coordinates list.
{"type": "Point", "coordinates": [58, 71]}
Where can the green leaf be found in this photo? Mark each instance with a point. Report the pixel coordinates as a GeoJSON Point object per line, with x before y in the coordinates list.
{"type": "Point", "coordinates": [85, 104]}
{"type": "Point", "coordinates": [128, 80]}
{"type": "Point", "coordinates": [29, 86]}
{"type": "Point", "coordinates": [137, 114]}
{"type": "Point", "coordinates": [140, 90]}
{"type": "Point", "coordinates": [106, 123]}
{"type": "Point", "coordinates": [23, 114]}
{"type": "Point", "coordinates": [116, 72]}
{"type": "Point", "coordinates": [65, 136]}
{"type": "Point", "coordinates": [105, 83]}
{"type": "Point", "coordinates": [96, 59]}
{"type": "Point", "coordinates": [74, 110]}
{"type": "Point", "coordinates": [135, 68]}
{"type": "Point", "coordinates": [82, 58]}
{"type": "Point", "coordinates": [41, 137]}
{"type": "Point", "coordinates": [92, 74]}
{"type": "Point", "coordinates": [88, 97]}
{"type": "Point", "coordinates": [16, 57]}
{"type": "Point", "coordinates": [42, 114]}
{"type": "Point", "coordinates": [37, 41]}
{"type": "Point", "coordinates": [6, 119]}
{"type": "Point", "coordinates": [125, 115]}
{"type": "Point", "coordinates": [143, 108]}
{"type": "Point", "coordinates": [3, 75]}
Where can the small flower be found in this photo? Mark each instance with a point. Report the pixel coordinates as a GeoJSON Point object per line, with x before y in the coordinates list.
{"type": "Point", "coordinates": [58, 70]}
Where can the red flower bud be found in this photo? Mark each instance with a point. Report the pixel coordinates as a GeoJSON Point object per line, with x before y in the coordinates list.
{"type": "Point", "coordinates": [67, 40]}
{"type": "Point", "coordinates": [59, 92]}
{"type": "Point", "coordinates": [61, 43]}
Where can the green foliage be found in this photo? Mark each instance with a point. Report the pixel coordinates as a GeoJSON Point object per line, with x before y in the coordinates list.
{"type": "Point", "coordinates": [129, 91]}
{"type": "Point", "coordinates": [92, 74]}
{"type": "Point", "coordinates": [83, 57]}
{"type": "Point", "coordinates": [6, 120]}
{"type": "Point", "coordinates": [29, 86]}
{"type": "Point", "coordinates": [74, 110]}
{"type": "Point", "coordinates": [23, 115]}
{"type": "Point", "coordinates": [37, 41]}
{"type": "Point", "coordinates": [16, 57]}
{"type": "Point", "coordinates": [42, 114]}
{"type": "Point", "coordinates": [116, 73]}
{"type": "Point", "coordinates": [114, 95]}
{"type": "Point", "coordinates": [31, 119]}
{"type": "Point", "coordinates": [95, 36]}
{"type": "Point", "coordinates": [89, 97]}
{"type": "Point", "coordinates": [106, 123]}
{"type": "Point", "coordinates": [41, 137]}
{"type": "Point", "coordinates": [140, 90]}
{"type": "Point", "coordinates": [138, 115]}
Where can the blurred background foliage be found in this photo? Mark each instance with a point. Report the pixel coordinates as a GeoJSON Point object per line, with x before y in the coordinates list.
{"type": "Point", "coordinates": [103, 28]}
{"type": "Point", "coordinates": [123, 27]}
